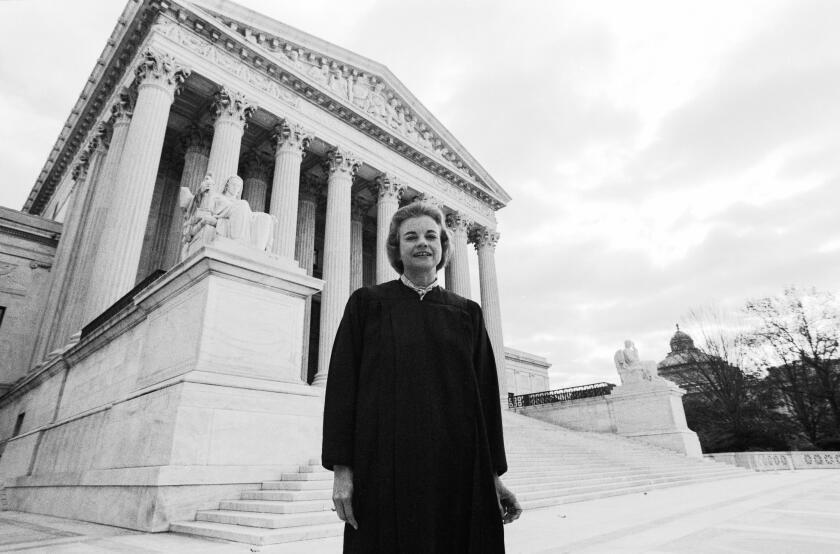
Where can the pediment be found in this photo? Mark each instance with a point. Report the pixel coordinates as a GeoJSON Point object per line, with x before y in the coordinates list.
{"type": "Point", "coordinates": [364, 92]}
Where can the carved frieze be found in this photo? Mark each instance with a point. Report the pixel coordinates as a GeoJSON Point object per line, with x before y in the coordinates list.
{"type": "Point", "coordinates": [221, 58]}
{"type": "Point", "coordinates": [348, 85]}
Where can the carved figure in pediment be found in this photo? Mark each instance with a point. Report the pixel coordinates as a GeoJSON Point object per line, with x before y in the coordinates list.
{"type": "Point", "coordinates": [410, 128]}
{"type": "Point", "coordinates": [294, 55]}
{"type": "Point", "coordinates": [320, 73]}
{"type": "Point", "coordinates": [360, 91]}
{"type": "Point", "coordinates": [425, 138]}
{"type": "Point", "coordinates": [338, 83]}
{"type": "Point", "coordinates": [378, 104]}
{"type": "Point", "coordinates": [393, 113]}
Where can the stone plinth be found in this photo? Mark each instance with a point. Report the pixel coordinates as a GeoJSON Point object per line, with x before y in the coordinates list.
{"type": "Point", "coordinates": [185, 397]}
{"type": "Point", "coordinates": [652, 411]}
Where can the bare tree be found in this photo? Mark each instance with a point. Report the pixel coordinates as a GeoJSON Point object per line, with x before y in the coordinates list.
{"type": "Point", "coordinates": [797, 340]}
{"type": "Point", "coordinates": [730, 406]}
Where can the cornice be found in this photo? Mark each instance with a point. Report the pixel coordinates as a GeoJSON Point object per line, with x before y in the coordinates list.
{"type": "Point", "coordinates": [120, 49]}
{"type": "Point", "coordinates": [29, 227]}
{"type": "Point", "coordinates": [291, 47]}
{"type": "Point", "coordinates": [269, 57]}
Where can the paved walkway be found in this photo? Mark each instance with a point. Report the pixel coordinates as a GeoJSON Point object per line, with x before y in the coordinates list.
{"type": "Point", "coordinates": [786, 512]}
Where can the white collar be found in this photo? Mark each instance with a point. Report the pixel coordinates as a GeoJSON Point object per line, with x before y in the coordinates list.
{"type": "Point", "coordinates": [422, 291]}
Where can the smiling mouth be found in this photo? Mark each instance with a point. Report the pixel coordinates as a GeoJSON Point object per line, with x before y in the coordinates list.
{"type": "Point", "coordinates": [422, 254]}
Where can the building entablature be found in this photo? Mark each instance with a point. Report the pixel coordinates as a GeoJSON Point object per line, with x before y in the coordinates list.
{"type": "Point", "coordinates": [347, 94]}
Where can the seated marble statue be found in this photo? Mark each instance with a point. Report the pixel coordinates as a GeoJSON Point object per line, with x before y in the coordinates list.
{"type": "Point", "coordinates": [630, 368]}
{"type": "Point", "coordinates": [227, 212]}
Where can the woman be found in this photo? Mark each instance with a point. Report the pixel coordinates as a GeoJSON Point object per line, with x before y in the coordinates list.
{"type": "Point", "coordinates": [412, 418]}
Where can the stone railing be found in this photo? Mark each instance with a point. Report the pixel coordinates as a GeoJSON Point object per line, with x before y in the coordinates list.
{"type": "Point", "coordinates": [780, 461]}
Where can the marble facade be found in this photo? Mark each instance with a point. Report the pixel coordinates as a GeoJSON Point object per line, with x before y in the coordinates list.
{"type": "Point", "coordinates": [145, 397]}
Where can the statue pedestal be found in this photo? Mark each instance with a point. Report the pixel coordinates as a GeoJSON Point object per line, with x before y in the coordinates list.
{"type": "Point", "coordinates": [185, 397]}
{"type": "Point", "coordinates": [652, 411]}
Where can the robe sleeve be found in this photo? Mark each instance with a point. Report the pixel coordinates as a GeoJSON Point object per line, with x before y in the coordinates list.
{"type": "Point", "coordinates": [342, 380]}
{"type": "Point", "coordinates": [488, 384]}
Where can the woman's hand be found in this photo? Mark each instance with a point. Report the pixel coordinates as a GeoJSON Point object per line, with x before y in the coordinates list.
{"type": "Point", "coordinates": [508, 505]}
{"type": "Point", "coordinates": [343, 494]}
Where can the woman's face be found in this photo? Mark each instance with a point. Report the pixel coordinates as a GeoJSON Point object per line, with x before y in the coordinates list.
{"type": "Point", "coordinates": [420, 248]}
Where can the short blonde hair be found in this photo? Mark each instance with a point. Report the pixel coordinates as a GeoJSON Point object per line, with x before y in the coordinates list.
{"type": "Point", "coordinates": [416, 209]}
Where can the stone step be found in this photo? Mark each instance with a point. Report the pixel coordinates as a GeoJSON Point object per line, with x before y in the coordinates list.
{"type": "Point", "coordinates": [309, 468]}
{"type": "Point", "coordinates": [267, 521]}
{"type": "Point", "coordinates": [582, 497]}
{"type": "Point", "coordinates": [314, 462]}
{"type": "Point", "coordinates": [288, 496]}
{"type": "Point", "coordinates": [611, 481]}
{"type": "Point", "coordinates": [257, 536]}
{"type": "Point", "coordinates": [312, 476]}
{"type": "Point", "coordinates": [613, 470]}
{"type": "Point", "coordinates": [277, 506]}
{"type": "Point", "coordinates": [297, 485]}
{"type": "Point", "coordinates": [550, 490]}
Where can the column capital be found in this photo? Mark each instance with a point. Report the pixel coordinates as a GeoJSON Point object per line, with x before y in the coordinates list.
{"type": "Point", "coordinates": [310, 188]}
{"type": "Point", "coordinates": [290, 137]}
{"type": "Point", "coordinates": [428, 199]}
{"type": "Point", "coordinates": [81, 168]}
{"type": "Point", "coordinates": [231, 105]}
{"type": "Point", "coordinates": [388, 187]}
{"type": "Point", "coordinates": [100, 139]}
{"type": "Point", "coordinates": [458, 222]}
{"type": "Point", "coordinates": [121, 110]}
{"type": "Point", "coordinates": [197, 139]}
{"type": "Point", "coordinates": [255, 166]}
{"type": "Point", "coordinates": [161, 69]}
{"type": "Point", "coordinates": [482, 238]}
{"type": "Point", "coordinates": [340, 160]}
{"type": "Point", "coordinates": [359, 208]}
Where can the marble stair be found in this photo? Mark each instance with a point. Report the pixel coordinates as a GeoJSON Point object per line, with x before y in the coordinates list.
{"type": "Point", "coordinates": [548, 465]}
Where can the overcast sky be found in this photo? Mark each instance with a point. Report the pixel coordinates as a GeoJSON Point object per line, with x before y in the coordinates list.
{"type": "Point", "coordinates": [661, 156]}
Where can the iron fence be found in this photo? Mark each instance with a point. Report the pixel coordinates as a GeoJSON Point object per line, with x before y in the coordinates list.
{"type": "Point", "coordinates": [559, 395]}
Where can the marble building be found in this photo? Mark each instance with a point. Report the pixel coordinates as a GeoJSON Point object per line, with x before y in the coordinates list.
{"type": "Point", "coordinates": [169, 343]}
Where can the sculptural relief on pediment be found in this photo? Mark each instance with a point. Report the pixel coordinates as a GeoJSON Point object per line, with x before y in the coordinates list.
{"type": "Point", "coordinates": [224, 60]}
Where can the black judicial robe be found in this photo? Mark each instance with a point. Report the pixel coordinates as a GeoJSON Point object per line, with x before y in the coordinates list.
{"type": "Point", "coordinates": [412, 405]}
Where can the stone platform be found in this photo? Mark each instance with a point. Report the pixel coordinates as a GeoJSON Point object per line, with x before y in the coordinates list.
{"type": "Point", "coordinates": [764, 513]}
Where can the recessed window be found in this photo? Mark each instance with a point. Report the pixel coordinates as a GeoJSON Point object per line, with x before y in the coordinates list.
{"type": "Point", "coordinates": [18, 424]}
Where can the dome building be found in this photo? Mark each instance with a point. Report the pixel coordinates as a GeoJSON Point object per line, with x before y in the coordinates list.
{"type": "Point", "coordinates": [681, 362]}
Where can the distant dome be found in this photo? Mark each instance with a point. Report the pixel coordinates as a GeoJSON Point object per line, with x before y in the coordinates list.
{"type": "Point", "coordinates": [681, 342]}
{"type": "Point", "coordinates": [683, 353]}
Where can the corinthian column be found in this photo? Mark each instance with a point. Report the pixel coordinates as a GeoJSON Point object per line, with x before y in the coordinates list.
{"type": "Point", "coordinates": [458, 270]}
{"type": "Point", "coordinates": [62, 268]}
{"type": "Point", "coordinates": [68, 319]}
{"type": "Point", "coordinates": [342, 166]}
{"type": "Point", "coordinates": [196, 145]}
{"type": "Point", "coordinates": [230, 111]}
{"type": "Point", "coordinates": [305, 254]}
{"type": "Point", "coordinates": [358, 210]}
{"type": "Point", "coordinates": [93, 279]}
{"type": "Point", "coordinates": [485, 244]}
{"type": "Point", "coordinates": [255, 183]}
{"type": "Point", "coordinates": [290, 141]}
{"type": "Point", "coordinates": [159, 77]}
{"type": "Point", "coordinates": [389, 201]}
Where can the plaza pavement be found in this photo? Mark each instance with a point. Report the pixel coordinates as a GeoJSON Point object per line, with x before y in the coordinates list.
{"type": "Point", "coordinates": [784, 512]}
